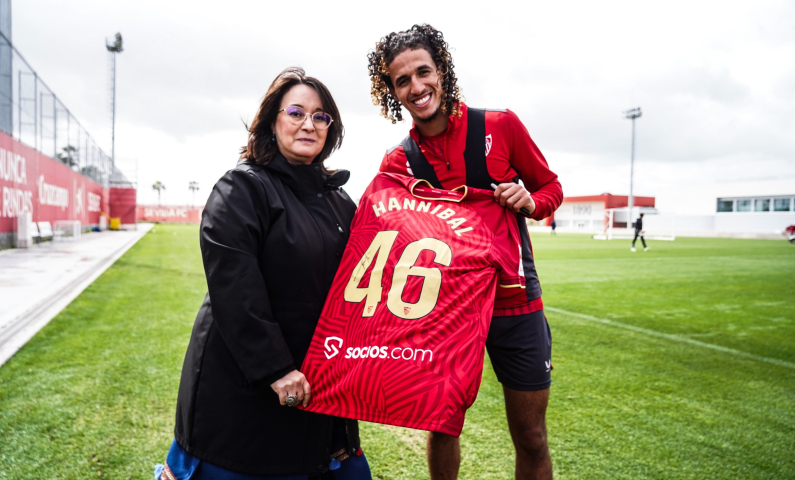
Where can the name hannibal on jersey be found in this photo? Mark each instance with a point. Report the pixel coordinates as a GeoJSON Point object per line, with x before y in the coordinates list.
{"type": "Point", "coordinates": [402, 335]}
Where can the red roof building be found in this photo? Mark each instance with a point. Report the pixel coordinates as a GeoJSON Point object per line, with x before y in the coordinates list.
{"type": "Point", "coordinates": [588, 213]}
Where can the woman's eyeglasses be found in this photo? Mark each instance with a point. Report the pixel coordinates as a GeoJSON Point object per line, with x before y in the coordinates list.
{"type": "Point", "coordinates": [297, 115]}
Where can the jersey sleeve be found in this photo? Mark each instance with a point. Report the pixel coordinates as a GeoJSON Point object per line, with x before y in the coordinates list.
{"type": "Point", "coordinates": [506, 252]}
{"type": "Point", "coordinates": [529, 162]}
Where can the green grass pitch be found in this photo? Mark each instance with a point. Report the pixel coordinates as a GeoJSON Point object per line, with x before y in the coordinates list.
{"type": "Point", "coordinates": [637, 392]}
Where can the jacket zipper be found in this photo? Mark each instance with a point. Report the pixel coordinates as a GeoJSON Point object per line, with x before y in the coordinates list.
{"type": "Point", "coordinates": [334, 214]}
{"type": "Point", "coordinates": [447, 146]}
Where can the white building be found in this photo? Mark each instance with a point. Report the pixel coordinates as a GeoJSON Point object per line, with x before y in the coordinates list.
{"type": "Point", "coordinates": [760, 216]}
{"type": "Point", "coordinates": [753, 207]}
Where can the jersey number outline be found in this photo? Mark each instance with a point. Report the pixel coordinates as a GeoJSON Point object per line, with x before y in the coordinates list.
{"type": "Point", "coordinates": [379, 250]}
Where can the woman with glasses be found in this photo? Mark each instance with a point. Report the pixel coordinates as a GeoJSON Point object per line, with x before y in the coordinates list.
{"type": "Point", "coordinates": [272, 235]}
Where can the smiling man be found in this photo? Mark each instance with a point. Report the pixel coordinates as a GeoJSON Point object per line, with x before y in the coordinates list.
{"type": "Point", "coordinates": [451, 145]}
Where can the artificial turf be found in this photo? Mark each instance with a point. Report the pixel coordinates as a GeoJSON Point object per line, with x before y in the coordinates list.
{"type": "Point", "coordinates": [93, 394]}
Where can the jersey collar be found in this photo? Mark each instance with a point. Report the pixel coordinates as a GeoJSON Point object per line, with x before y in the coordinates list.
{"type": "Point", "coordinates": [456, 195]}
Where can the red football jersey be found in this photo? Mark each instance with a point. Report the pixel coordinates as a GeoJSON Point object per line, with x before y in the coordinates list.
{"type": "Point", "coordinates": [402, 335]}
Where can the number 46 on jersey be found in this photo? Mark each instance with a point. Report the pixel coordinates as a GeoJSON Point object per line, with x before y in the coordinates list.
{"type": "Point", "coordinates": [379, 251]}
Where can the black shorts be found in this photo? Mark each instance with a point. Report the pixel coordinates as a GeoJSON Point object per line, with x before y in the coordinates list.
{"type": "Point", "coordinates": [520, 348]}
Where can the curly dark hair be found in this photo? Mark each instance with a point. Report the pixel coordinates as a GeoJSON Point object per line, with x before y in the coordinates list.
{"type": "Point", "coordinates": [417, 37]}
{"type": "Point", "coordinates": [260, 148]}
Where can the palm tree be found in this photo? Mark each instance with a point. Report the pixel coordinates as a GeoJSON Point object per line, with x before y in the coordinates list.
{"type": "Point", "coordinates": [193, 187]}
{"type": "Point", "coordinates": [158, 186]}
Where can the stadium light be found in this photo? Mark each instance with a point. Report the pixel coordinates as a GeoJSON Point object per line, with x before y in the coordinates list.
{"type": "Point", "coordinates": [632, 114]}
{"type": "Point", "coordinates": [114, 48]}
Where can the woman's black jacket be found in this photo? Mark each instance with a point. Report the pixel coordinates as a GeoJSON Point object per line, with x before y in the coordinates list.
{"type": "Point", "coordinates": [271, 239]}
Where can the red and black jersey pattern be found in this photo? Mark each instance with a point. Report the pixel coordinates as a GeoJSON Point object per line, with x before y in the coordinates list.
{"type": "Point", "coordinates": [401, 337]}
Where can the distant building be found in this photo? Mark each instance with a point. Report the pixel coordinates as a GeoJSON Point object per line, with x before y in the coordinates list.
{"type": "Point", "coordinates": [758, 204]}
{"type": "Point", "coordinates": [761, 214]}
{"type": "Point", "coordinates": [589, 213]}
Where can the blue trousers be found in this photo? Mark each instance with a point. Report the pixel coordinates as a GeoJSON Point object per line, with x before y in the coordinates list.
{"type": "Point", "coordinates": [187, 467]}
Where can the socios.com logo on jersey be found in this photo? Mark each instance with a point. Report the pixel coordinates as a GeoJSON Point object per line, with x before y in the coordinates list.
{"type": "Point", "coordinates": [333, 346]}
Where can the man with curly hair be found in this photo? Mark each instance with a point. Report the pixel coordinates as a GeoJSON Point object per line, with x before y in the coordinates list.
{"type": "Point", "coordinates": [451, 145]}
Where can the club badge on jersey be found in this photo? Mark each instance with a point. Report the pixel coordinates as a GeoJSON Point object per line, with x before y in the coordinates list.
{"type": "Point", "coordinates": [402, 335]}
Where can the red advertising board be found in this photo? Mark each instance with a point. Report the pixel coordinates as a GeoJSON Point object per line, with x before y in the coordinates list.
{"type": "Point", "coordinates": [169, 214]}
{"type": "Point", "coordinates": [122, 204]}
{"type": "Point", "coordinates": [33, 182]}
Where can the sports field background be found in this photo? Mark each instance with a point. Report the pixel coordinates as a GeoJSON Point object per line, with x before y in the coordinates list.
{"type": "Point", "coordinates": [93, 394]}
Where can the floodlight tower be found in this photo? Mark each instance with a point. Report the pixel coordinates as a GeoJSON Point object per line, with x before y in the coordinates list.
{"type": "Point", "coordinates": [632, 114]}
{"type": "Point", "coordinates": [114, 48]}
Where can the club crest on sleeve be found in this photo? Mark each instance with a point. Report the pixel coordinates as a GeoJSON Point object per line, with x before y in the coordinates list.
{"type": "Point", "coordinates": [488, 144]}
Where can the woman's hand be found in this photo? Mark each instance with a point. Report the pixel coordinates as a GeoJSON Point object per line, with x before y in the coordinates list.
{"type": "Point", "coordinates": [515, 197]}
{"type": "Point", "coordinates": [293, 383]}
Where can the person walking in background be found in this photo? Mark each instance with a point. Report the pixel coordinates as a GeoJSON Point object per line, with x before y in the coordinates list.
{"type": "Point", "coordinates": [639, 233]}
{"type": "Point", "coordinates": [554, 226]}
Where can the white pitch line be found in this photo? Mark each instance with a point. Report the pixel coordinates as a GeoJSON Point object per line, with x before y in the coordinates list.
{"type": "Point", "coordinates": [675, 338]}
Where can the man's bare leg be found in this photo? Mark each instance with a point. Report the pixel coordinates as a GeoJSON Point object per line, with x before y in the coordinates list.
{"type": "Point", "coordinates": [526, 412]}
{"type": "Point", "coordinates": [444, 456]}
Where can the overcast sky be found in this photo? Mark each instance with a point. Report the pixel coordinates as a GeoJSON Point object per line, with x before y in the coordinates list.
{"type": "Point", "coordinates": [715, 80]}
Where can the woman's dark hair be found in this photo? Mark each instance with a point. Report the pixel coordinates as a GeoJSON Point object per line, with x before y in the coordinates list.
{"type": "Point", "coordinates": [261, 148]}
{"type": "Point", "coordinates": [417, 37]}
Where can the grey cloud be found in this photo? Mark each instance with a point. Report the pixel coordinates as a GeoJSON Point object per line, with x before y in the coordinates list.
{"type": "Point", "coordinates": [689, 115]}
{"type": "Point", "coordinates": [700, 83]}
{"type": "Point", "coordinates": [186, 76]}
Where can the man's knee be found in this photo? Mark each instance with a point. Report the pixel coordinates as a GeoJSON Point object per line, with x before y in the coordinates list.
{"type": "Point", "coordinates": [531, 437]}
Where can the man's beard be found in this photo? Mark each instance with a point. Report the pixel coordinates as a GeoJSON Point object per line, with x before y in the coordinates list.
{"type": "Point", "coordinates": [430, 117]}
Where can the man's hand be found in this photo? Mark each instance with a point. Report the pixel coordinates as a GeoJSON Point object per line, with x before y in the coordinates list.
{"type": "Point", "coordinates": [294, 382]}
{"type": "Point", "coordinates": [514, 196]}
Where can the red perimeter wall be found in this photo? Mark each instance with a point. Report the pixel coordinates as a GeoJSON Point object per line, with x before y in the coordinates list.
{"type": "Point", "coordinates": [33, 182]}
{"type": "Point", "coordinates": [168, 214]}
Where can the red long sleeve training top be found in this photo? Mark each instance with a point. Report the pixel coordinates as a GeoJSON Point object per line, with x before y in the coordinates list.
{"type": "Point", "coordinates": [510, 153]}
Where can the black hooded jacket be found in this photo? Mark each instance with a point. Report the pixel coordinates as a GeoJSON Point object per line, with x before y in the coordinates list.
{"type": "Point", "coordinates": [271, 239]}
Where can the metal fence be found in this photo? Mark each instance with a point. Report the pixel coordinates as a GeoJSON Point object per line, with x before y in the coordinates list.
{"type": "Point", "coordinates": [32, 113]}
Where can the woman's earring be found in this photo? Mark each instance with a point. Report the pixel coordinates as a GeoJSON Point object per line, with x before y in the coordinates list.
{"type": "Point", "coordinates": [273, 138]}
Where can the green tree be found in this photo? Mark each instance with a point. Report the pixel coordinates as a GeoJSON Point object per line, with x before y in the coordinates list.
{"type": "Point", "coordinates": [69, 156]}
{"type": "Point", "coordinates": [92, 172]}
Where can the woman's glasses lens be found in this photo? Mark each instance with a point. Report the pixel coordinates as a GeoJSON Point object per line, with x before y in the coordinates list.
{"type": "Point", "coordinates": [295, 113]}
{"type": "Point", "coordinates": [298, 115]}
{"type": "Point", "coordinates": [321, 119]}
